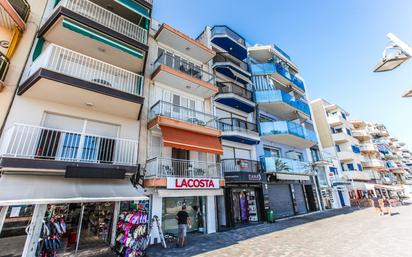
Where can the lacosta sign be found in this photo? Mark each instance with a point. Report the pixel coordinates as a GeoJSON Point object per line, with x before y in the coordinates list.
{"type": "Point", "coordinates": [192, 183]}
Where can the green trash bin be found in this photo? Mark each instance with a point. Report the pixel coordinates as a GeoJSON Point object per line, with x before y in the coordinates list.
{"type": "Point", "coordinates": [270, 217]}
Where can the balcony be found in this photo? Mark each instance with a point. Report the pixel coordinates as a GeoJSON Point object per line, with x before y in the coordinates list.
{"type": "Point", "coordinates": [4, 67]}
{"type": "Point", "coordinates": [373, 163]}
{"type": "Point", "coordinates": [281, 104]}
{"type": "Point", "coordinates": [229, 41]}
{"type": "Point", "coordinates": [240, 165]}
{"type": "Point", "coordinates": [159, 169]}
{"type": "Point", "coordinates": [336, 120]}
{"type": "Point", "coordinates": [357, 175]}
{"type": "Point", "coordinates": [237, 71]}
{"type": "Point", "coordinates": [235, 96]}
{"type": "Point", "coordinates": [288, 132]}
{"type": "Point", "coordinates": [66, 77]}
{"type": "Point", "coordinates": [286, 166]}
{"type": "Point", "coordinates": [175, 71]}
{"type": "Point", "coordinates": [100, 32]}
{"type": "Point", "coordinates": [28, 146]}
{"type": "Point", "coordinates": [263, 53]}
{"type": "Point", "coordinates": [14, 13]}
{"type": "Point", "coordinates": [361, 134]}
{"type": "Point", "coordinates": [368, 148]}
{"type": "Point", "coordinates": [341, 137]}
{"type": "Point", "coordinates": [348, 156]}
{"type": "Point", "coordinates": [240, 131]}
{"type": "Point", "coordinates": [279, 73]}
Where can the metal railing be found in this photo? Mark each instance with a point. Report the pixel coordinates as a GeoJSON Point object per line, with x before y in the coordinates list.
{"type": "Point", "coordinates": [223, 30]}
{"type": "Point", "coordinates": [285, 165]}
{"type": "Point", "coordinates": [374, 163]}
{"type": "Point", "coordinates": [162, 108]}
{"type": "Point", "coordinates": [276, 95]}
{"type": "Point", "coordinates": [240, 165]}
{"type": "Point", "coordinates": [230, 87]}
{"type": "Point", "coordinates": [161, 167]}
{"type": "Point", "coordinates": [235, 124]}
{"type": "Point", "coordinates": [22, 8]}
{"type": "Point", "coordinates": [106, 18]}
{"type": "Point", "coordinates": [35, 142]}
{"type": "Point", "coordinates": [73, 64]}
{"type": "Point", "coordinates": [287, 127]}
{"type": "Point", "coordinates": [221, 58]}
{"type": "Point", "coordinates": [180, 64]}
{"type": "Point", "coordinates": [4, 66]}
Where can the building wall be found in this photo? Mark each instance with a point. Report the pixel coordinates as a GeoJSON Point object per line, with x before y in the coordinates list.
{"type": "Point", "coordinates": [322, 126]}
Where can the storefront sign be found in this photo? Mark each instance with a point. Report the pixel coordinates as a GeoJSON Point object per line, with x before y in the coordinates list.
{"type": "Point", "coordinates": [192, 183]}
{"type": "Point", "coordinates": [246, 177]}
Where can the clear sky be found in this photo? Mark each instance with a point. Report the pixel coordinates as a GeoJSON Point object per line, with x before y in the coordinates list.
{"type": "Point", "coordinates": [335, 44]}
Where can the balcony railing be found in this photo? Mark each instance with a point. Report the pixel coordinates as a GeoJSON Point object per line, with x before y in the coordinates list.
{"type": "Point", "coordinates": [271, 68]}
{"type": "Point", "coordinates": [240, 165]}
{"type": "Point", "coordinates": [287, 127]}
{"type": "Point", "coordinates": [368, 147]}
{"type": "Point", "coordinates": [221, 58]}
{"type": "Point", "coordinates": [162, 108]}
{"type": "Point", "coordinates": [374, 163]}
{"type": "Point", "coordinates": [230, 87]}
{"type": "Point", "coordinates": [42, 143]}
{"type": "Point", "coordinates": [73, 64]}
{"type": "Point", "coordinates": [160, 167]}
{"type": "Point", "coordinates": [106, 18]}
{"type": "Point", "coordinates": [285, 165]}
{"type": "Point", "coordinates": [223, 30]}
{"type": "Point", "coordinates": [4, 66]}
{"type": "Point", "coordinates": [270, 96]}
{"type": "Point", "coordinates": [180, 64]}
{"type": "Point", "coordinates": [22, 8]}
{"type": "Point", "coordinates": [235, 124]}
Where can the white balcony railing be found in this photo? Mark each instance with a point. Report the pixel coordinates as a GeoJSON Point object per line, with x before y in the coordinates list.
{"type": "Point", "coordinates": [160, 167]}
{"type": "Point", "coordinates": [106, 18]}
{"type": "Point", "coordinates": [73, 64]}
{"type": "Point", "coordinates": [34, 142]}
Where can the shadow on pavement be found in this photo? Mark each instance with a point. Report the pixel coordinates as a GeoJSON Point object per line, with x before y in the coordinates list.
{"type": "Point", "coordinates": [199, 243]}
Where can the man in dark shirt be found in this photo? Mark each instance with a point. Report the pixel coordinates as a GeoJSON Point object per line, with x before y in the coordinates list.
{"type": "Point", "coordinates": [183, 220]}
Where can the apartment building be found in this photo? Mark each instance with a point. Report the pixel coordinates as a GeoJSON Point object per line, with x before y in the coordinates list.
{"type": "Point", "coordinates": [71, 139]}
{"type": "Point", "coordinates": [183, 135]}
{"type": "Point", "coordinates": [286, 132]}
{"type": "Point", "coordinates": [17, 31]}
{"type": "Point", "coordinates": [234, 107]}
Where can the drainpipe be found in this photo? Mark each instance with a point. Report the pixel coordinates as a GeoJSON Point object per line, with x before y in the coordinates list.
{"type": "Point", "coordinates": [315, 178]}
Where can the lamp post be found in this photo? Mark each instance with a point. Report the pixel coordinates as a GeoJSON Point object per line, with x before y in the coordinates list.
{"type": "Point", "coordinates": [393, 56]}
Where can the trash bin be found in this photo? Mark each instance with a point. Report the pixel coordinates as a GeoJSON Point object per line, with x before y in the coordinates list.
{"type": "Point", "coordinates": [270, 216]}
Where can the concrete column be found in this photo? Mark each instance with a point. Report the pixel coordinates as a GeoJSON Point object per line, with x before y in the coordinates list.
{"type": "Point", "coordinates": [157, 205]}
{"type": "Point", "coordinates": [211, 214]}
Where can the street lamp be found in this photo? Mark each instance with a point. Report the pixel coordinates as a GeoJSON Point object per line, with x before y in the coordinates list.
{"type": "Point", "coordinates": [393, 56]}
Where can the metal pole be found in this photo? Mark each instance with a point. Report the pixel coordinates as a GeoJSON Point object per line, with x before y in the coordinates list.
{"type": "Point", "coordinates": [79, 229]}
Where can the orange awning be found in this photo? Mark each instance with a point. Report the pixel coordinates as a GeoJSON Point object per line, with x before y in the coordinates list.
{"type": "Point", "coordinates": [189, 140]}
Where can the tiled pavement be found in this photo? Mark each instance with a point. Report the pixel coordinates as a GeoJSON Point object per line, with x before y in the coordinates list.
{"type": "Point", "coordinates": [347, 232]}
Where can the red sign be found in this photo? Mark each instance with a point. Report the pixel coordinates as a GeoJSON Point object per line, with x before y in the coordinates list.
{"type": "Point", "coordinates": [192, 183]}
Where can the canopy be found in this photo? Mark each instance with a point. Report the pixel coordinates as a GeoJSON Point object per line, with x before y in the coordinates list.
{"type": "Point", "coordinates": [31, 189]}
{"type": "Point", "coordinates": [189, 140]}
{"type": "Point", "coordinates": [291, 177]}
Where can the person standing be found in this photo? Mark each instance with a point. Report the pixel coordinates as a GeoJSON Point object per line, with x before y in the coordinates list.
{"type": "Point", "coordinates": [388, 206]}
{"type": "Point", "coordinates": [183, 220]}
{"type": "Point", "coordinates": [377, 205]}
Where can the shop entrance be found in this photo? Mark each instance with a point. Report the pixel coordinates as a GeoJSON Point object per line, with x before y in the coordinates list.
{"type": "Point", "coordinates": [310, 196]}
{"type": "Point", "coordinates": [13, 232]}
{"type": "Point", "coordinates": [244, 206]}
{"type": "Point", "coordinates": [195, 207]}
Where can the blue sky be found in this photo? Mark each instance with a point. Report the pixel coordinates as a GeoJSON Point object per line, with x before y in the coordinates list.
{"type": "Point", "coordinates": [335, 44]}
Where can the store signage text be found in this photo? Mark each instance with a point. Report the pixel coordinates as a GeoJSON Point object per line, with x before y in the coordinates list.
{"type": "Point", "coordinates": [192, 183]}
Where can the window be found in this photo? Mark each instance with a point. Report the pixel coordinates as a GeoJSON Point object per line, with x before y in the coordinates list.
{"type": "Point", "coordinates": [264, 118]}
{"type": "Point", "coordinates": [315, 154]}
{"type": "Point", "coordinates": [337, 148]}
{"type": "Point", "coordinates": [343, 166]}
{"type": "Point", "coordinates": [271, 151]}
{"type": "Point", "coordinates": [349, 132]}
{"type": "Point", "coordinates": [350, 166]}
{"type": "Point", "coordinates": [360, 167]}
{"type": "Point", "coordinates": [343, 115]}
{"type": "Point", "coordinates": [333, 170]}
{"type": "Point", "coordinates": [355, 149]}
{"type": "Point", "coordinates": [294, 155]}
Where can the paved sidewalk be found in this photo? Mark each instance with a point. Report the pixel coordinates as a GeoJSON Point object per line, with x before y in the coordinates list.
{"type": "Point", "coordinates": [348, 232]}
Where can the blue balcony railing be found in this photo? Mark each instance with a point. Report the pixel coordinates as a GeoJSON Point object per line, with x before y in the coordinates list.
{"type": "Point", "coordinates": [274, 164]}
{"type": "Point", "coordinates": [287, 127]}
{"type": "Point", "coordinates": [271, 68]}
{"type": "Point", "coordinates": [282, 52]}
{"type": "Point", "coordinates": [275, 95]}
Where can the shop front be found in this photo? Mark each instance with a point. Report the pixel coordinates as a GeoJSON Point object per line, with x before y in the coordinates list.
{"type": "Point", "coordinates": [243, 199]}
{"type": "Point", "coordinates": [55, 216]}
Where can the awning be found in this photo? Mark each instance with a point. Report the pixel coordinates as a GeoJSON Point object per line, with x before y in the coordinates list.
{"type": "Point", "coordinates": [291, 177]}
{"type": "Point", "coordinates": [135, 7]}
{"type": "Point", "coordinates": [189, 140]}
{"type": "Point", "coordinates": [30, 189]}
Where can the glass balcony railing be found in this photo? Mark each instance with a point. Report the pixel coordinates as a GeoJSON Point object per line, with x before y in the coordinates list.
{"type": "Point", "coordinates": [180, 64]}
{"type": "Point", "coordinates": [230, 87]}
{"type": "Point", "coordinates": [4, 66]}
{"type": "Point", "coordinates": [240, 165]}
{"type": "Point", "coordinates": [221, 58]}
{"type": "Point", "coordinates": [285, 165]}
{"type": "Point", "coordinates": [22, 8]}
{"type": "Point", "coordinates": [223, 30]}
{"type": "Point", "coordinates": [282, 52]}
{"type": "Point", "coordinates": [165, 109]}
{"type": "Point", "coordinates": [270, 96]}
{"type": "Point", "coordinates": [235, 124]}
{"type": "Point", "coordinates": [271, 68]}
{"type": "Point", "coordinates": [287, 127]}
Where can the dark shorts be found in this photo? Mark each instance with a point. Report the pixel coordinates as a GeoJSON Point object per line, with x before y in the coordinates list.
{"type": "Point", "coordinates": [182, 230]}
